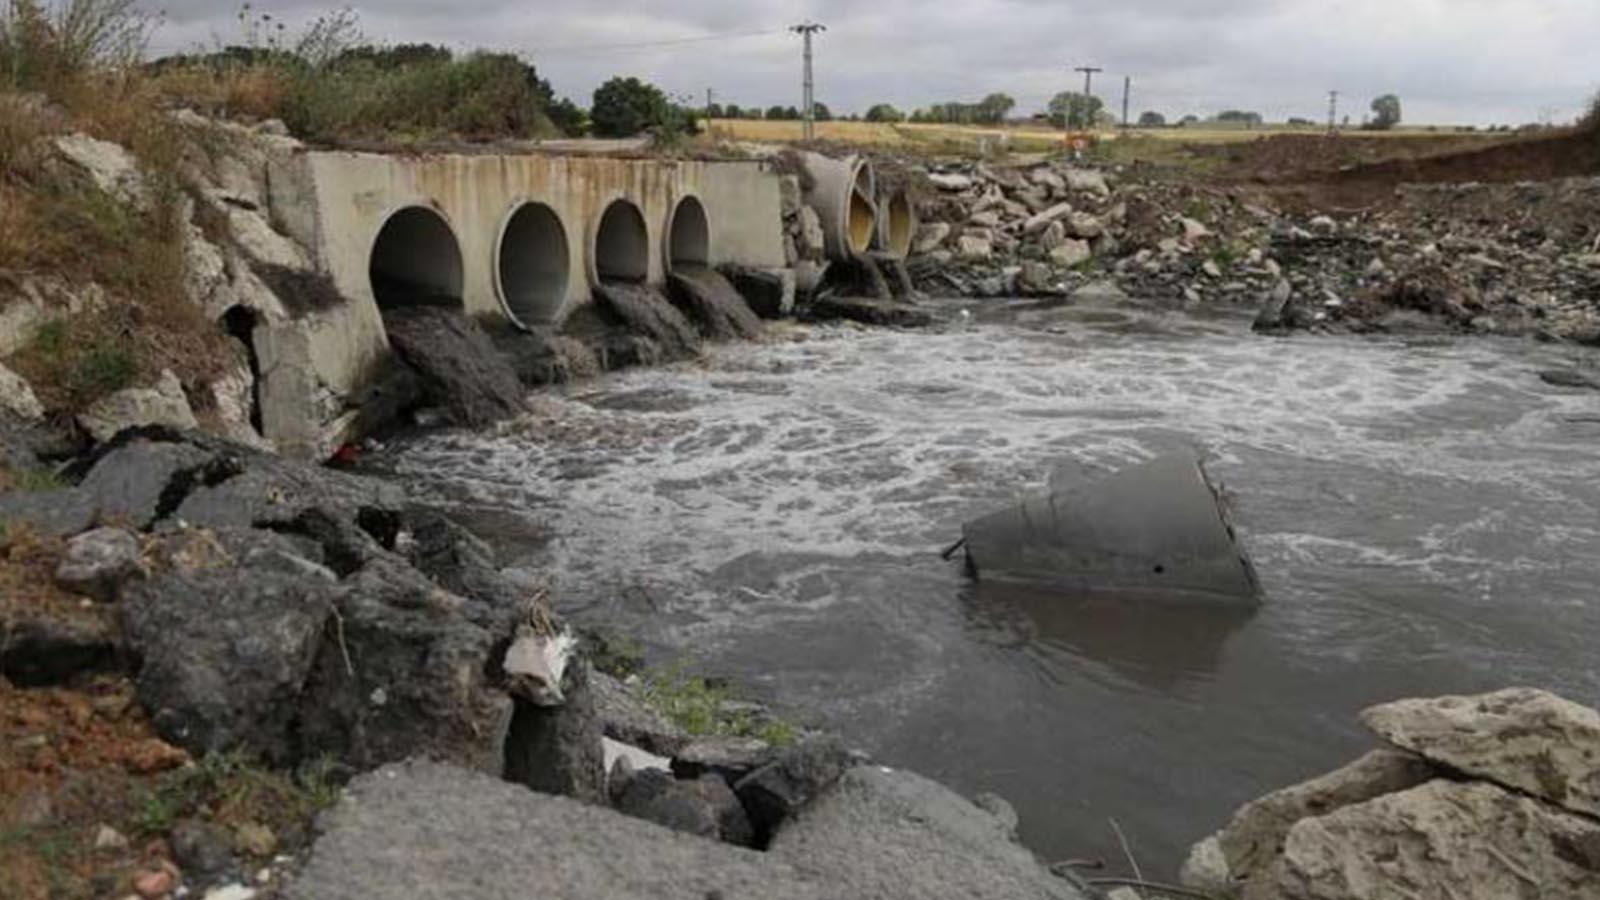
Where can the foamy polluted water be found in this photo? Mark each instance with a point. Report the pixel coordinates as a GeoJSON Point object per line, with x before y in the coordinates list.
{"type": "Point", "coordinates": [1425, 518]}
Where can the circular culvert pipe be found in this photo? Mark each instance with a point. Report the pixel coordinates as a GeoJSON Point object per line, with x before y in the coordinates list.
{"type": "Point", "coordinates": [532, 265]}
{"type": "Point", "coordinates": [688, 235]}
{"type": "Point", "coordinates": [897, 224]}
{"type": "Point", "coordinates": [842, 195]}
{"type": "Point", "coordinates": [415, 259]}
{"type": "Point", "coordinates": [621, 249]}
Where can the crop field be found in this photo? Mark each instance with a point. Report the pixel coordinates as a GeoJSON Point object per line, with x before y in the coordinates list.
{"type": "Point", "coordinates": [1022, 138]}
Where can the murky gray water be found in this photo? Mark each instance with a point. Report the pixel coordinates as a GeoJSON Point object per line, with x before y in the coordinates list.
{"type": "Point", "coordinates": [1425, 518]}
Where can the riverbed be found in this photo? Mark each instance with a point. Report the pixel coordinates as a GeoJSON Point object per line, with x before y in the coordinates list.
{"type": "Point", "coordinates": [1424, 515]}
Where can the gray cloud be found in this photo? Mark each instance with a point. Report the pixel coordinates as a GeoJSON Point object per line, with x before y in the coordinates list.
{"type": "Point", "coordinates": [1476, 61]}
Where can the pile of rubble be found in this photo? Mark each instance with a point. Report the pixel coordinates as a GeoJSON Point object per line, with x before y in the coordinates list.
{"type": "Point", "coordinates": [1518, 258]}
{"type": "Point", "coordinates": [1477, 797]}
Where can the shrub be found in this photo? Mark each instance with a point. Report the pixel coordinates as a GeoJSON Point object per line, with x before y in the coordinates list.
{"type": "Point", "coordinates": [43, 45]}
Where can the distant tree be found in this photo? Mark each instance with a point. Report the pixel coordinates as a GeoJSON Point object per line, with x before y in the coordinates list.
{"type": "Point", "coordinates": [1386, 112]}
{"type": "Point", "coordinates": [1188, 120]}
{"type": "Point", "coordinates": [1239, 116]}
{"type": "Point", "coordinates": [820, 112]}
{"type": "Point", "coordinates": [624, 107]}
{"type": "Point", "coordinates": [775, 113]}
{"type": "Point", "coordinates": [993, 109]}
{"type": "Point", "coordinates": [1152, 120]}
{"type": "Point", "coordinates": [1077, 110]}
{"type": "Point", "coordinates": [883, 112]}
{"type": "Point", "coordinates": [919, 115]}
{"type": "Point", "coordinates": [1297, 122]}
{"type": "Point", "coordinates": [732, 111]}
{"type": "Point", "coordinates": [715, 111]}
{"type": "Point", "coordinates": [396, 57]}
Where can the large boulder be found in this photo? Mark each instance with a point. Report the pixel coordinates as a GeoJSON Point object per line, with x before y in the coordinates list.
{"type": "Point", "coordinates": [405, 669]}
{"type": "Point", "coordinates": [139, 480]}
{"type": "Point", "coordinates": [776, 791]}
{"type": "Point", "coordinates": [226, 653]}
{"type": "Point", "coordinates": [703, 806]}
{"type": "Point", "coordinates": [884, 833]}
{"type": "Point", "coordinates": [1254, 838]}
{"type": "Point", "coordinates": [556, 749]}
{"type": "Point", "coordinates": [425, 830]}
{"type": "Point", "coordinates": [1463, 841]}
{"type": "Point", "coordinates": [163, 404]}
{"type": "Point", "coordinates": [1522, 738]}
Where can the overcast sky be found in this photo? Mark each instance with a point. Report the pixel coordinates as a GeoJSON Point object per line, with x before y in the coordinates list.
{"type": "Point", "coordinates": [1451, 61]}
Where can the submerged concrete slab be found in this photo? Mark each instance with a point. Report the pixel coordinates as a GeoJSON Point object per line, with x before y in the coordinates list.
{"type": "Point", "coordinates": [1156, 528]}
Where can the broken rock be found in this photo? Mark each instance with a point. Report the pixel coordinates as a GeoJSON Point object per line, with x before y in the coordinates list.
{"type": "Point", "coordinates": [1525, 739]}
{"type": "Point", "coordinates": [1466, 841]}
{"type": "Point", "coordinates": [96, 563]}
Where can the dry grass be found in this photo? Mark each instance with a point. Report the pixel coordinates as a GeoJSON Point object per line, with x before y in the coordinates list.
{"type": "Point", "coordinates": [1024, 138]}
{"type": "Point", "coordinates": [71, 74]}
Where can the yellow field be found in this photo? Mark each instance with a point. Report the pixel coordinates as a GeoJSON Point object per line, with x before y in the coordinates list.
{"type": "Point", "coordinates": [1024, 138]}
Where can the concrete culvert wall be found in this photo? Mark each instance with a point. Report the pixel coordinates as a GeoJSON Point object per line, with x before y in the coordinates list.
{"type": "Point", "coordinates": [532, 265]}
{"type": "Point", "coordinates": [621, 244]}
{"type": "Point", "coordinates": [416, 259]}
{"type": "Point", "coordinates": [897, 223]}
{"type": "Point", "coordinates": [688, 235]}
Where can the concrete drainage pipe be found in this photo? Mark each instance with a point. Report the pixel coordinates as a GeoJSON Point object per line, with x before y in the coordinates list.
{"type": "Point", "coordinates": [688, 236]}
{"type": "Point", "coordinates": [415, 259]}
{"type": "Point", "coordinates": [897, 223]}
{"type": "Point", "coordinates": [621, 248]}
{"type": "Point", "coordinates": [842, 193]}
{"type": "Point", "coordinates": [532, 264]}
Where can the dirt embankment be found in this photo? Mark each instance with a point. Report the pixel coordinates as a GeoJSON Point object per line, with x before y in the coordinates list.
{"type": "Point", "coordinates": [1330, 172]}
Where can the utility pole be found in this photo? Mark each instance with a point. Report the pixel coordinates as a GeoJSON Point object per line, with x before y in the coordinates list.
{"type": "Point", "coordinates": [709, 94]}
{"type": "Point", "coordinates": [808, 90]}
{"type": "Point", "coordinates": [1088, 91]}
{"type": "Point", "coordinates": [1127, 91]}
{"type": "Point", "coordinates": [1333, 112]}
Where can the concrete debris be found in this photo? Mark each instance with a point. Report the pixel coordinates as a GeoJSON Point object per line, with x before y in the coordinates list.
{"type": "Point", "coordinates": [457, 364]}
{"type": "Point", "coordinates": [1479, 258]}
{"type": "Point", "coordinates": [1158, 526]}
{"type": "Point", "coordinates": [164, 404]}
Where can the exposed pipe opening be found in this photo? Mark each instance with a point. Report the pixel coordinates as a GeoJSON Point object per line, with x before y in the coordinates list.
{"type": "Point", "coordinates": [416, 260]}
{"type": "Point", "coordinates": [622, 244]}
{"type": "Point", "coordinates": [532, 264]}
{"type": "Point", "coordinates": [862, 221]}
{"type": "Point", "coordinates": [689, 235]}
{"type": "Point", "coordinates": [896, 225]}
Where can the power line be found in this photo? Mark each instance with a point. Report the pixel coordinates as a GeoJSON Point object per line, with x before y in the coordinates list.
{"type": "Point", "coordinates": [808, 87]}
{"type": "Point", "coordinates": [1088, 92]}
{"type": "Point", "coordinates": [673, 42]}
